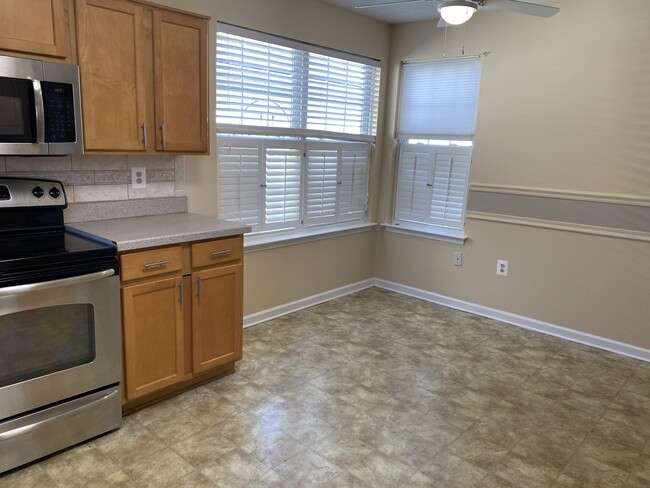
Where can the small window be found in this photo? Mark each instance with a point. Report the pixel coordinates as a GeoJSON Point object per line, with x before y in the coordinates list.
{"type": "Point", "coordinates": [436, 123]}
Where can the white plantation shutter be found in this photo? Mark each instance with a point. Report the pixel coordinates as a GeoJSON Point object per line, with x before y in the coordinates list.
{"type": "Point", "coordinates": [431, 184]}
{"type": "Point", "coordinates": [413, 188]}
{"type": "Point", "coordinates": [322, 182]}
{"type": "Point", "coordinates": [239, 180]}
{"type": "Point", "coordinates": [353, 181]}
{"type": "Point", "coordinates": [450, 171]}
{"type": "Point", "coordinates": [283, 163]}
{"type": "Point", "coordinates": [337, 182]}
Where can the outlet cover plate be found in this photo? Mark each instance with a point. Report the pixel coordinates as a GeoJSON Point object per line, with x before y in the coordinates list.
{"type": "Point", "coordinates": [502, 267]}
{"type": "Point", "coordinates": [138, 177]}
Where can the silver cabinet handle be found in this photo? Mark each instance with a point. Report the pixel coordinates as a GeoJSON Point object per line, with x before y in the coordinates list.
{"type": "Point", "coordinates": [181, 285]}
{"type": "Point", "coordinates": [45, 285]}
{"type": "Point", "coordinates": [40, 111]}
{"type": "Point", "coordinates": [220, 253]}
{"type": "Point", "coordinates": [162, 133]}
{"type": "Point", "coordinates": [155, 263]}
{"type": "Point", "coordinates": [199, 288]}
{"type": "Point", "coordinates": [144, 132]}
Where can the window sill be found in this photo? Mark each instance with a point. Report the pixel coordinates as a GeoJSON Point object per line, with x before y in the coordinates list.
{"type": "Point", "coordinates": [261, 242]}
{"type": "Point", "coordinates": [428, 232]}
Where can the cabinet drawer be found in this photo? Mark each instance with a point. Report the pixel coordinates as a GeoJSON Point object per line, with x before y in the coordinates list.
{"type": "Point", "coordinates": [151, 263]}
{"type": "Point", "coordinates": [217, 251]}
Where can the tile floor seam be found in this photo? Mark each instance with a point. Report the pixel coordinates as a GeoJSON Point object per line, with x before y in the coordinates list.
{"type": "Point", "coordinates": [576, 451]}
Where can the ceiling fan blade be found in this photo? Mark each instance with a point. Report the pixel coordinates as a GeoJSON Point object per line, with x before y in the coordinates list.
{"type": "Point", "coordinates": [389, 4]}
{"type": "Point", "coordinates": [521, 7]}
{"type": "Point", "coordinates": [441, 23]}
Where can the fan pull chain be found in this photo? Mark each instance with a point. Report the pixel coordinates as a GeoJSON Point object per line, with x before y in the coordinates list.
{"type": "Point", "coordinates": [464, 37]}
{"type": "Point", "coordinates": [444, 45]}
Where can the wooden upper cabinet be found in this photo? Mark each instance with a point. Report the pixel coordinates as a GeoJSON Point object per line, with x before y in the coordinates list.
{"type": "Point", "coordinates": [37, 27]}
{"type": "Point", "coordinates": [180, 82]}
{"type": "Point", "coordinates": [143, 77]}
{"type": "Point", "coordinates": [112, 39]}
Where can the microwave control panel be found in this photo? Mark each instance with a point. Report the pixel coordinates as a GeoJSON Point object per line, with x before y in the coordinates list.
{"type": "Point", "coordinates": [58, 100]}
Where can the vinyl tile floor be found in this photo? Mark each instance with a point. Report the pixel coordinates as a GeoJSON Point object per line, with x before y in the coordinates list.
{"type": "Point", "coordinates": [376, 389]}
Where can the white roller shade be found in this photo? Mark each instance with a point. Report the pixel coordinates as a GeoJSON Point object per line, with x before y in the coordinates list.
{"type": "Point", "coordinates": [439, 98]}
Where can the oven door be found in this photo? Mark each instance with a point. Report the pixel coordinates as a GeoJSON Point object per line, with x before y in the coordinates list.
{"type": "Point", "coordinates": [58, 339]}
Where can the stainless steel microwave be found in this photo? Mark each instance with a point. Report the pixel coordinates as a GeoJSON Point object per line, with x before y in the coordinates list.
{"type": "Point", "coordinates": [40, 108]}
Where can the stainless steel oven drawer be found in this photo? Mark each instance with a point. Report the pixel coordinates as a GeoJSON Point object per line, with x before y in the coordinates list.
{"type": "Point", "coordinates": [33, 436]}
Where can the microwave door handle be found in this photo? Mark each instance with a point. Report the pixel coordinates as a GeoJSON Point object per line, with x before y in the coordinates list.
{"type": "Point", "coordinates": [46, 285]}
{"type": "Point", "coordinates": [40, 112]}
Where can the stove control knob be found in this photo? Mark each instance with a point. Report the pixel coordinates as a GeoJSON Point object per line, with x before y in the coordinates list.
{"type": "Point", "coordinates": [38, 192]}
{"type": "Point", "coordinates": [55, 192]}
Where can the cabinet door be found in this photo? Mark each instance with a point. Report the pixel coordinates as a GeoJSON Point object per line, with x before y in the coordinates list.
{"type": "Point", "coordinates": [114, 41]}
{"type": "Point", "coordinates": [180, 80]}
{"type": "Point", "coordinates": [153, 336]}
{"type": "Point", "coordinates": [35, 27]}
{"type": "Point", "coordinates": [217, 319]}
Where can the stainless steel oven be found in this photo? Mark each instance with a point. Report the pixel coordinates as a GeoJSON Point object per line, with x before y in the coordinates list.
{"type": "Point", "coordinates": [40, 107]}
{"type": "Point", "coordinates": [60, 346]}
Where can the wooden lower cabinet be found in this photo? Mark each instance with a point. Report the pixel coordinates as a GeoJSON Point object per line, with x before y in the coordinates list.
{"type": "Point", "coordinates": [216, 317]}
{"type": "Point", "coordinates": [182, 325]}
{"type": "Point", "coordinates": [153, 336]}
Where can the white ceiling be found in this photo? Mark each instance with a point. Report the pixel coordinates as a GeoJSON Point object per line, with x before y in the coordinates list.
{"type": "Point", "coordinates": [393, 14]}
{"type": "Point", "coordinates": [416, 10]}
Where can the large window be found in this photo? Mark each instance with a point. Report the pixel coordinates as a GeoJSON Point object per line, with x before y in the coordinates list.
{"type": "Point", "coordinates": [437, 118]}
{"type": "Point", "coordinates": [295, 126]}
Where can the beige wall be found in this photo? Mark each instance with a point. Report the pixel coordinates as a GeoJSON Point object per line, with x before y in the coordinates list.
{"type": "Point", "coordinates": [297, 272]}
{"type": "Point", "coordinates": [565, 107]}
{"type": "Point", "coordinates": [279, 276]}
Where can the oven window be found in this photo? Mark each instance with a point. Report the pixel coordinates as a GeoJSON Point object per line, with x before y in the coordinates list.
{"type": "Point", "coordinates": [45, 340]}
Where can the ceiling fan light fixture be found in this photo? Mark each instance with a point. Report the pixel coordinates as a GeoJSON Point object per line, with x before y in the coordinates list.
{"type": "Point", "coordinates": [456, 12]}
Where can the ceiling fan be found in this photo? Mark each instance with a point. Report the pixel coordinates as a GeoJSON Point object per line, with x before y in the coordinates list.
{"type": "Point", "coordinates": [457, 12]}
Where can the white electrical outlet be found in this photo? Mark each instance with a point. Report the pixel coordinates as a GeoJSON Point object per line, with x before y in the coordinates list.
{"type": "Point", "coordinates": [502, 268]}
{"type": "Point", "coordinates": [458, 258]}
{"type": "Point", "coordinates": [139, 177]}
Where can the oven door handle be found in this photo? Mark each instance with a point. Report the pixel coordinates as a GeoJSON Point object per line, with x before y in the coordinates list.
{"type": "Point", "coordinates": [24, 429]}
{"type": "Point", "coordinates": [46, 285]}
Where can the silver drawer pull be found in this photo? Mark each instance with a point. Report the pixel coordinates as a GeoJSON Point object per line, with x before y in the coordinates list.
{"type": "Point", "coordinates": [220, 253]}
{"type": "Point", "coordinates": [156, 263]}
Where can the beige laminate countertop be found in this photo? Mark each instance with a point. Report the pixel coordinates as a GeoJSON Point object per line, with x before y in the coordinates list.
{"type": "Point", "coordinates": [159, 230]}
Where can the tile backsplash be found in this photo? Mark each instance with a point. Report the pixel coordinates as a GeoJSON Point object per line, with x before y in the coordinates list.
{"type": "Point", "coordinates": [97, 178]}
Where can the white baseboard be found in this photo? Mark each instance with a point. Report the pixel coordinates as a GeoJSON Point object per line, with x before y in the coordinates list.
{"type": "Point", "coordinates": [280, 310]}
{"type": "Point", "coordinates": [520, 321]}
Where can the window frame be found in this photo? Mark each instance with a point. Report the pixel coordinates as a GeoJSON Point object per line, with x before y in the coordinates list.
{"type": "Point", "coordinates": [463, 142]}
{"type": "Point", "coordinates": [299, 135]}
